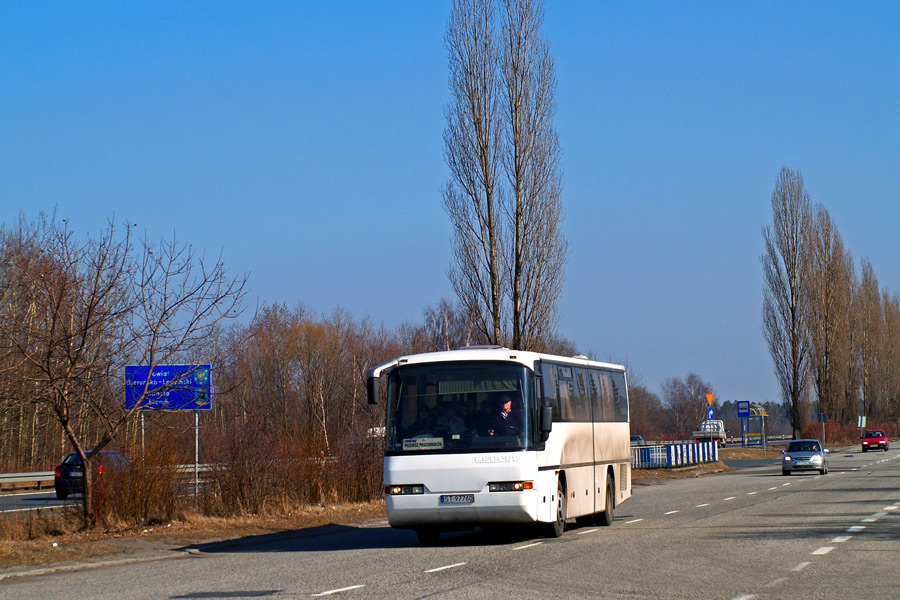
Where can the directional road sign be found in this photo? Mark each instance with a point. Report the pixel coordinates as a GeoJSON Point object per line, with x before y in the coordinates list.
{"type": "Point", "coordinates": [168, 387]}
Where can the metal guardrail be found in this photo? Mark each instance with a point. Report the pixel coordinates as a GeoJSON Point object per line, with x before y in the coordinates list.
{"type": "Point", "coordinates": [34, 477]}
{"type": "Point", "coordinates": [47, 476]}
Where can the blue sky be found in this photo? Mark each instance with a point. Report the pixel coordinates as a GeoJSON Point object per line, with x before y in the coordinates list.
{"type": "Point", "coordinates": [303, 140]}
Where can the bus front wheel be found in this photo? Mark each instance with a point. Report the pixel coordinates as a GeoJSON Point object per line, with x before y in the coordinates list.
{"type": "Point", "coordinates": [556, 528]}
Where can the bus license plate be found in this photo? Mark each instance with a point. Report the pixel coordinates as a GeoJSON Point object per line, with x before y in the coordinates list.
{"type": "Point", "coordinates": [458, 499]}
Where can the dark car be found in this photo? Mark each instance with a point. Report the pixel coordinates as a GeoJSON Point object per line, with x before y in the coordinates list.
{"type": "Point", "coordinates": [637, 440]}
{"type": "Point", "coordinates": [873, 439]}
{"type": "Point", "coordinates": [69, 476]}
{"type": "Point", "coordinates": [804, 455]}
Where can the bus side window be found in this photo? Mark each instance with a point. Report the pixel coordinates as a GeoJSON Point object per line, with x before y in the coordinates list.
{"type": "Point", "coordinates": [620, 397]}
{"type": "Point", "coordinates": [606, 398]}
{"type": "Point", "coordinates": [550, 389]}
{"type": "Point", "coordinates": [566, 388]}
{"type": "Point", "coordinates": [596, 404]}
{"type": "Point", "coordinates": [582, 396]}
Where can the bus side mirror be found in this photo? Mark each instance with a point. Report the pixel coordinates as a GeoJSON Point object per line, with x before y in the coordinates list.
{"type": "Point", "coordinates": [373, 387]}
{"type": "Point", "coordinates": [546, 419]}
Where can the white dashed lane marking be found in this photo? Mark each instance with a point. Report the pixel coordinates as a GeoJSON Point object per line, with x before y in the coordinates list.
{"type": "Point", "coordinates": [444, 568]}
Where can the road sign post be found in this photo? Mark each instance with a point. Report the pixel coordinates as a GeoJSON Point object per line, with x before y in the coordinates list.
{"type": "Point", "coordinates": [171, 387]}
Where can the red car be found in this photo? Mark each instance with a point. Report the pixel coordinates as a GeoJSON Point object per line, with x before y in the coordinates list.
{"type": "Point", "coordinates": [874, 439]}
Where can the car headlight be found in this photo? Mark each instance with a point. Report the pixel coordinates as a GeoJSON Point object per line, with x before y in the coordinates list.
{"type": "Point", "coordinates": [816, 459]}
{"type": "Point", "coordinates": [787, 459]}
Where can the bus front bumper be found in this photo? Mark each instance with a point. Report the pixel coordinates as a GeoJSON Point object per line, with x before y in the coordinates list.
{"type": "Point", "coordinates": [415, 510]}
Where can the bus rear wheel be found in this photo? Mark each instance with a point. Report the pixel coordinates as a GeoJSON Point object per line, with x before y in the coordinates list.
{"type": "Point", "coordinates": [556, 528]}
{"type": "Point", "coordinates": [605, 518]}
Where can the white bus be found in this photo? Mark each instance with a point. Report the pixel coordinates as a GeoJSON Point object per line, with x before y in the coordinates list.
{"type": "Point", "coordinates": [487, 435]}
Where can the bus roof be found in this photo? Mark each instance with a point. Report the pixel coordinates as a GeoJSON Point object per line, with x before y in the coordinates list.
{"type": "Point", "coordinates": [495, 353]}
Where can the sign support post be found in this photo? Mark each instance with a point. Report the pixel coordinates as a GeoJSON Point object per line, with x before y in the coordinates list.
{"type": "Point", "coordinates": [171, 388]}
{"type": "Point", "coordinates": [196, 455]}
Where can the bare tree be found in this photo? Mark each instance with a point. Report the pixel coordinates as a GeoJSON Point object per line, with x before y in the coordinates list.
{"type": "Point", "coordinates": [507, 272]}
{"type": "Point", "coordinates": [870, 335]}
{"type": "Point", "coordinates": [784, 270]}
{"type": "Point", "coordinates": [447, 327]}
{"type": "Point", "coordinates": [78, 312]}
{"type": "Point", "coordinates": [685, 399]}
{"type": "Point", "coordinates": [472, 148]}
{"type": "Point", "coordinates": [889, 364]}
{"type": "Point", "coordinates": [531, 161]}
{"type": "Point", "coordinates": [828, 297]}
{"type": "Point", "coordinates": [647, 413]}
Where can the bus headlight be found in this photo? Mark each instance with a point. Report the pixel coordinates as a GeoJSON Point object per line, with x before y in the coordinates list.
{"type": "Point", "coordinates": [402, 490]}
{"type": "Point", "coordinates": [510, 486]}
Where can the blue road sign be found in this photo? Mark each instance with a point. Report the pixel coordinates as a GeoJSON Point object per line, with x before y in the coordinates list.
{"type": "Point", "coordinates": [743, 407]}
{"type": "Point", "coordinates": [168, 387]}
{"type": "Point", "coordinates": [709, 413]}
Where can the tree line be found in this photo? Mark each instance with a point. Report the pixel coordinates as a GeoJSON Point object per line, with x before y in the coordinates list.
{"type": "Point", "coordinates": [833, 333]}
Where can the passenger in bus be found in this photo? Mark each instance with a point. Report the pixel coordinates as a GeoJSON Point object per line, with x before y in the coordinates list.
{"type": "Point", "coordinates": [506, 423]}
{"type": "Point", "coordinates": [451, 420]}
{"type": "Point", "coordinates": [424, 423]}
{"type": "Point", "coordinates": [483, 419]}
{"type": "Point", "coordinates": [462, 411]}
{"type": "Point", "coordinates": [472, 416]}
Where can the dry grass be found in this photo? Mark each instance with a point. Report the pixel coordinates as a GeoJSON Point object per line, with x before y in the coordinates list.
{"type": "Point", "coordinates": [646, 476]}
{"type": "Point", "coordinates": [54, 537]}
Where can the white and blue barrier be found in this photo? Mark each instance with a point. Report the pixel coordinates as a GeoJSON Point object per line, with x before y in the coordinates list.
{"type": "Point", "coordinates": [648, 457]}
{"type": "Point", "coordinates": [672, 456]}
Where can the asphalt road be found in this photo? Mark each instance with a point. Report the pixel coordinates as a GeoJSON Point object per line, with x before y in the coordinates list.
{"type": "Point", "coordinates": [24, 501]}
{"type": "Point", "coordinates": [748, 534]}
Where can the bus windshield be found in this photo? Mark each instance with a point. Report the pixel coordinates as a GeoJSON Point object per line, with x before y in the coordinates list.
{"type": "Point", "coordinates": [459, 407]}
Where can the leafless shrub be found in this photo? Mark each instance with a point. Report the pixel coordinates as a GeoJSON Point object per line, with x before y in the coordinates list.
{"type": "Point", "coordinates": [148, 490]}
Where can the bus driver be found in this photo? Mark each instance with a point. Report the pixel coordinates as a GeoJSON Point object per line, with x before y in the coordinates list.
{"type": "Point", "coordinates": [506, 423]}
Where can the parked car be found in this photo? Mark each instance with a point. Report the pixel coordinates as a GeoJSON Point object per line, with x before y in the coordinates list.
{"type": "Point", "coordinates": [69, 475]}
{"type": "Point", "coordinates": [873, 439]}
{"type": "Point", "coordinates": [804, 455]}
{"type": "Point", "coordinates": [636, 440]}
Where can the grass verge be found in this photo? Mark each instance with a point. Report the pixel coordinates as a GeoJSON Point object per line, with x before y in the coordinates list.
{"type": "Point", "coordinates": [52, 537]}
